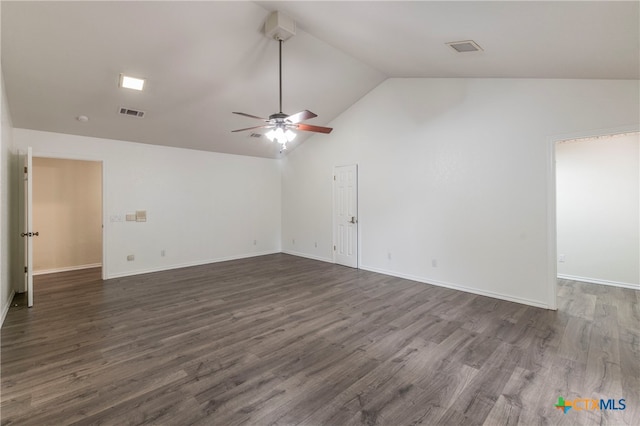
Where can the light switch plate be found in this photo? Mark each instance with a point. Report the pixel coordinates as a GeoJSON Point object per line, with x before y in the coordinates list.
{"type": "Point", "coordinates": [131, 217]}
{"type": "Point", "coordinates": [141, 216]}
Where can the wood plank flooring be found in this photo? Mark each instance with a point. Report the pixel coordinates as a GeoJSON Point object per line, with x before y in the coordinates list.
{"type": "Point", "coordinates": [282, 340]}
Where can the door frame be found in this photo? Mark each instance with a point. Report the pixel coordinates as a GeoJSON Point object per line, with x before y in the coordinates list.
{"type": "Point", "coordinates": [333, 212]}
{"type": "Point", "coordinates": [65, 156]}
{"type": "Point", "coordinates": [552, 235]}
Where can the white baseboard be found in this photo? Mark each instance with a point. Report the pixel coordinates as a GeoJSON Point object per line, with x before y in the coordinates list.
{"type": "Point", "coordinates": [459, 287]}
{"type": "Point", "coordinates": [5, 308]}
{"type": "Point", "coordinates": [188, 264]}
{"type": "Point", "coordinates": [67, 269]}
{"type": "Point", "coordinates": [452, 286]}
{"type": "Point", "coordinates": [433, 282]}
{"type": "Point", "coordinates": [308, 256]}
{"type": "Point", "coordinates": [599, 281]}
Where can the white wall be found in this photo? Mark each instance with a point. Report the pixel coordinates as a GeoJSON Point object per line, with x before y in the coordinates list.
{"type": "Point", "coordinates": [67, 214]}
{"type": "Point", "coordinates": [450, 169]}
{"type": "Point", "coordinates": [453, 170]}
{"type": "Point", "coordinates": [598, 194]}
{"type": "Point", "coordinates": [6, 147]}
{"type": "Point", "coordinates": [201, 207]}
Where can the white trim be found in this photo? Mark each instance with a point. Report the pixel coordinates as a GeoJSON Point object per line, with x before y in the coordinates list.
{"type": "Point", "coordinates": [308, 256]}
{"type": "Point", "coordinates": [189, 264]}
{"type": "Point", "coordinates": [104, 219]}
{"type": "Point", "coordinates": [459, 287]}
{"type": "Point", "coordinates": [333, 214]}
{"type": "Point", "coordinates": [552, 237]}
{"type": "Point", "coordinates": [67, 269]}
{"type": "Point", "coordinates": [67, 156]}
{"type": "Point", "coordinates": [599, 281]}
{"type": "Point", "coordinates": [5, 309]}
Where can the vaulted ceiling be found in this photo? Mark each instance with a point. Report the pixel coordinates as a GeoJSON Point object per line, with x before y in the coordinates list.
{"type": "Point", "coordinates": [203, 60]}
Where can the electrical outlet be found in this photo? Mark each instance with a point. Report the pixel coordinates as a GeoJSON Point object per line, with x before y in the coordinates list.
{"type": "Point", "coordinates": [255, 242]}
{"type": "Point", "coordinates": [293, 241]}
{"type": "Point", "coordinates": [561, 258]}
{"type": "Point", "coordinates": [315, 244]}
{"type": "Point", "coordinates": [434, 263]}
{"type": "Point", "coordinates": [130, 257]}
{"type": "Point", "coordinates": [163, 253]}
{"type": "Point", "coordinates": [389, 255]}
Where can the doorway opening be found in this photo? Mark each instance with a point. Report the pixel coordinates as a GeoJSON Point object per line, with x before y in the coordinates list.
{"type": "Point", "coordinates": [595, 210]}
{"type": "Point", "coordinates": [67, 214]}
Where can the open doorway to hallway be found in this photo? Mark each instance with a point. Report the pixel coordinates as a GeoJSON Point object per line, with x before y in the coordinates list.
{"type": "Point", "coordinates": [68, 215]}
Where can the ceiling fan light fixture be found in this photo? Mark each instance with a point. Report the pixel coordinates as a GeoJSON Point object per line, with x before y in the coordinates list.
{"type": "Point", "coordinates": [271, 135]}
{"type": "Point", "coordinates": [280, 135]}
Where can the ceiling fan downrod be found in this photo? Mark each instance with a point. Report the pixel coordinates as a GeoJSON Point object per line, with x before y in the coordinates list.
{"type": "Point", "coordinates": [280, 68]}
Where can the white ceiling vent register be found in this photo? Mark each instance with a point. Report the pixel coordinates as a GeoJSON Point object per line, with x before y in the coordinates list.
{"type": "Point", "coordinates": [131, 112]}
{"type": "Point", "coordinates": [465, 46]}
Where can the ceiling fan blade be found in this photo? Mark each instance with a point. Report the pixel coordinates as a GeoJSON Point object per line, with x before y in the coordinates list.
{"type": "Point", "coordinates": [300, 116]}
{"type": "Point", "coordinates": [251, 128]}
{"type": "Point", "coordinates": [310, 128]}
{"type": "Point", "coordinates": [250, 116]}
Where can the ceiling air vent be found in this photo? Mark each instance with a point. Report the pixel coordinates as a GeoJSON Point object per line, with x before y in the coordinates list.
{"type": "Point", "coordinates": [465, 46]}
{"type": "Point", "coordinates": [255, 135]}
{"type": "Point", "coordinates": [131, 112]}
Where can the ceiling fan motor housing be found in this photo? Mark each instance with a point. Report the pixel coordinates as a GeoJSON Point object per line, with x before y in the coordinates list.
{"type": "Point", "coordinates": [278, 115]}
{"type": "Point", "coordinates": [279, 26]}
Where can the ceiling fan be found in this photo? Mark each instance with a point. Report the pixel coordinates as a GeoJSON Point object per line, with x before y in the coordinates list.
{"type": "Point", "coordinates": [281, 124]}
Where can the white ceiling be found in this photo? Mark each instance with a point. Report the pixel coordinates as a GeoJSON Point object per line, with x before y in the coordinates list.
{"type": "Point", "coordinates": [204, 60]}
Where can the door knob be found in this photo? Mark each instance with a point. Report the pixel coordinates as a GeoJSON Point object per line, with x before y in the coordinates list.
{"type": "Point", "coordinates": [353, 220]}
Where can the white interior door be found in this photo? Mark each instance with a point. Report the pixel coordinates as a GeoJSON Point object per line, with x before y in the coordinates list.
{"type": "Point", "coordinates": [345, 212]}
{"type": "Point", "coordinates": [26, 220]}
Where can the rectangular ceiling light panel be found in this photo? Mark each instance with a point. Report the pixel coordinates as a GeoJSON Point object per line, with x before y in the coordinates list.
{"type": "Point", "coordinates": [131, 82]}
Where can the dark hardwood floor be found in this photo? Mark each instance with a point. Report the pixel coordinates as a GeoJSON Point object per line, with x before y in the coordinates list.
{"type": "Point", "coordinates": [285, 340]}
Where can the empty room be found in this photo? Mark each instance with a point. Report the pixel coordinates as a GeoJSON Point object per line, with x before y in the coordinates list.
{"type": "Point", "coordinates": [320, 213]}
